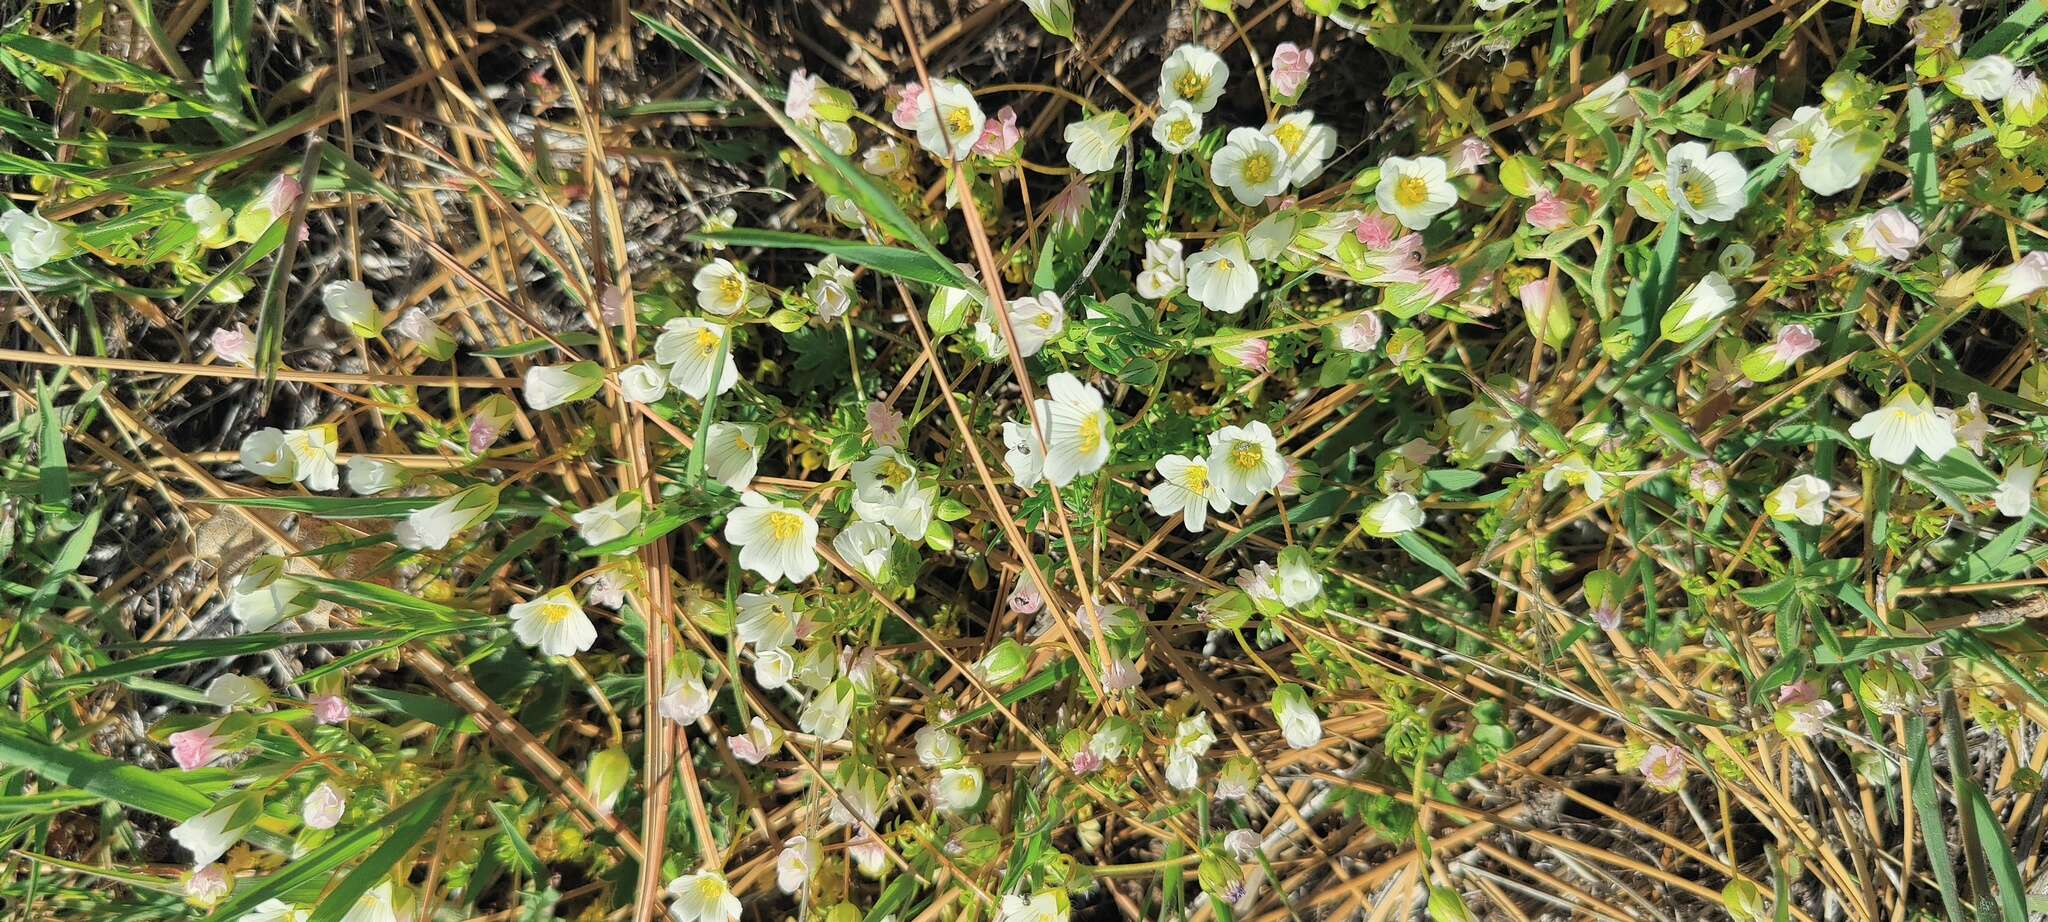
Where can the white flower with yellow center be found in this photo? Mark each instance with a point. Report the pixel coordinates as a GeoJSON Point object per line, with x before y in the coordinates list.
{"type": "Point", "coordinates": [1021, 454]}
{"type": "Point", "coordinates": [1078, 429]}
{"type": "Point", "coordinates": [1804, 498]}
{"type": "Point", "coordinates": [866, 547]}
{"type": "Point", "coordinates": [773, 668]}
{"type": "Point", "coordinates": [1164, 274]}
{"type": "Point", "coordinates": [1688, 317]}
{"type": "Point", "coordinates": [732, 453]}
{"type": "Point", "coordinates": [1194, 75]}
{"type": "Point", "coordinates": [1705, 186]}
{"type": "Point", "coordinates": [1906, 423]}
{"type": "Point", "coordinates": [554, 623]}
{"type": "Point", "coordinates": [1396, 515]}
{"type": "Point", "coordinates": [1251, 165]}
{"type": "Point", "coordinates": [690, 347]}
{"type": "Point", "coordinates": [313, 456]}
{"type": "Point", "coordinates": [209, 220]}
{"type": "Point", "coordinates": [1827, 160]}
{"type": "Point", "coordinates": [779, 542]}
{"type": "Point", "coordinates": [1415, 190]}
{"type": "Point", "coordinates": [1177, 126]}
{"type": "Point", "coordinates": [1094, 143]}
{"type": "Point", "coordinates": [957, 789]}
{"type": "Point", "coordinates": [265, 455]}
{"type": "Point", "coordinates": [800, 858]}
{"type": "Point", "coordinates": [610, 520]}
{"type": "Point", "coordinates": [703, 897]}
{"type": "Point", "coordinates": [767, 620]}
{"type": "Point", "coordinates": [948, 120]}
{"type": "Point", "coordinates": [433, 527]}
{"type": "Point", "coordinates": [1036, 320]}
{"type": "Point", "coordinates": [1308, 145]}
{"type": "Point", "coordinates": [1185, 489]}
{"type": "Point", "coordinates": [1222, 276]}
{"type": "Point", "coordinates": [1245, 461]}
{"type": "Point", "coordinates": [1575, 471]}
{"type": "Point", "coordinates": [34, 240]}
{"type": "Point", "coordinates": [724, 289]}
{"type": "Point", "coordinates": [377, 904]}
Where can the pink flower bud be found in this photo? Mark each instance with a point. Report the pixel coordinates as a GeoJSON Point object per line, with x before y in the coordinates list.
{"type": "Point", "coordinates": [1794, 341]}
{"type": "Point", "coordinates": [1087, 761]}
{"type": "Point", "coordinates": [1067, 206]}
{"type": "Point", "coordinates": [1291, 64]}
{"type": "Point", "coordinates": [281, 194]}
{"type": "Point", "coordinates": [1025, 599]}
{"type": "Point", "coordinates": [905, 113]}
{"type": "Point", "coordinates": [1471, 154]}
{"type": "Point", "coordinates": [1440, 283]}
{"type": "Point", "coordinates": [1120, 676]}
{"type": "Point", "coordinates": [1376, 231]}
{"type": "Point", "coordinates": [236, 346]}
{"type": "Point", "coordinates": [1252, 354]}
{"type": "Point", "coordinates": [195, 748]}
{"type": "Point", "coordinates": [1537, 297]}
{"type": "Point", "coordinates": [208, 886]}
{"type": "Point", "coordinates": [1000, 135]}
{"type": "Point", "coordinates": [1800, 692]}
{"type": "Point", "coordinates": [1548, 212]}
{"type": "Point", "coordinates": [330, 709]}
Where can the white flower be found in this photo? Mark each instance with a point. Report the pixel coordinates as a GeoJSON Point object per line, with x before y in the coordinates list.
{"type": "Point", "coordinates": [264, 454]}
{"type": "Point", "coordinates": [323, 807]}
{"type": "Point", "coordinates": [799, 859]}
{"type": "Point", "coordinates": [1906, 422]}
{"type": "Point", "coordinates": [1989, 77]}
{"type": "Point", "coordinates": [1245, 461]}
{"type": "Point", "coordinates": [684, 699]}
{"type": "Point", "coordinates": [1687, 317]}
{"type": "Point", "coordinates": [828, 712]}
{"type": "Point", "coordinates": [431, 528]}
{"type": "Point", "coordinates": [802, 95]}
{"type": "Point", "coordinates": [773, 668]}
{"type": "Point", "coordinates": [276, 910]}
{"type": "Point", "coordinates": [690, 346]}
{"type": "Point", "coordinates": [1021, 454]}
{"type": "Point", "coordinates": [2015, 494]}
{"type": "Point", "coordinates": [1177, 126]}
{"type": "Point", "coordinates": [956, 789]}
{"type": "Point", "coordinates": [313, 456]}
{"type": "Point", "coordinates": [948, 120]}
{"type": "Point", "coordinates": [1891, 233]}
{"type": "Point", "coordinates": [776, 541]}
{"type": "Point", "coordinates": [937, 747]}
{"type": "Point", "coordinates": [1298, 720]}
{"type": "Point", "coordinates": [1251, 164]}
{"type": "Point", "coordinates": [351, 305]}
{"type": "Point", "coordinates": [550, 386]}
{"type": "Point", "coordinates": [767, 620]}
{"type": "Point", "coordinates": [866, 545]}
{"type": "Point", "coordinates": [1036, 320]}
{"type": "Point", "coordinates": [1705, 186]}
{"type": "Point", "coordinates": [1308, 145]}
{"type": "Point", "coordinates": [732, 453]}
{"type": "Point", "coordinates": [369, 476]}
{"type": "Point", "coordinates": [1164, 274]}
{"type": "Point", "coordinates": [703, 897]}
{"type": "Point", "coordinates": [1398, 514]}
{"type": "Point", "coordinates": [34, 240]}
{"type": "Point", "coordinates": [1194, 75]}
{"type": "Point", "coordinates": [1827, 160]}
{"type": "Point", "coordinates": [1295, 580]}
{"type": "Point", "coordinates": [232, 691]}
{"type": "Point", "coordinates": [884, 159]}
{"type": "Point", "coordinates": [1361, 333]}
{"type": "Point", "coordinates": [1191, 740]}
{"type": "Point", "coordinates": [265, 594]}
{"type": "Point", "coordinates": [2010, 284]}
{"type": "Point", "coordinates": [554, 623]}
{"type": "Point", "coordinates": [1222, 276]}
{"type": "Point", "coordinates": [886, 490]}
{"type": "Point", "coordinates": [643, 383]}
{"type": "Point", "coordinates": [1610, 100]}
{"type": "Point", "coordinates": [1078, 429]}
{"type": "Point", "coordinates": [378, 904]}
{"type": "Point", "coordinates": [1415, 191]}
{"type": "Point", "coordinates": [1094, 143]}
{"type": "Point", "coordinates": [990, 340]}
{"type": "Point", "coordinates": [1185, 489]}
{"type": "Point", "coordinates": [725, 290]}
{"type": "Point", "coordinates": [208, 218]}
{"type": "Point", "coordinates": [610, 520]}
{"type": "Point", "coordinates": [830, 288]}
{"type": "Point", "coordinates": [1574, 470]}
{"type": "Point", "coordinates": [1043, 906]}
{"type": "Point", "coordinates": [1803, 497]}
{"type": "Point", "coordinates": [209, 835]}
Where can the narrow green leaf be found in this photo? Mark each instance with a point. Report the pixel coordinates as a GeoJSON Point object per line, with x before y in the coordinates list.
{"type": "Point", "coordinates": [127, 785]}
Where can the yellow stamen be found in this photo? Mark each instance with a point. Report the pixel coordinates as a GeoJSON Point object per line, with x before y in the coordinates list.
{"type": "Point", "coordinates": [1090, 434]}
{"type": "Point", "coordinates": [1289, 135]}
{"type": "Point", "coordinates": [785, 526]}
{"type": "Point", "coordinates": [1196, 479]}
{"type": "Point", "coordinates": [1411, 191]}
{"type": "Point", "coordinates": [1247, 456]}
{"type": "Point", "coordinates": [1258, 168]}
{"type": "Point", "coordinates": [1191, 85]}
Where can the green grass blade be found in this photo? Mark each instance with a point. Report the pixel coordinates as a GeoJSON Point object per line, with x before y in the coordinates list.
{"type": "Point", "coordinates": [124, 784]}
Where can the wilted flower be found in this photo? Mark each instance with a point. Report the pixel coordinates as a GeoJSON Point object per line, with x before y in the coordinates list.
{"type": "Point", "coordinates": [432, 527]}
{"type": "Point", "coordinates": [329, 709]}
{"type": "Point", "coordinates": [197, 747]}
{"type": "Point", "coordinates": [1988, 78]}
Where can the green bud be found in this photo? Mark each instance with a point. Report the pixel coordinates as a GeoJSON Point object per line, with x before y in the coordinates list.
{"type": "Point", "coordinates": [1005, 664]}
{"type": "Point", "coordinates": [843, 912]}
{"type": "Point", "coordinates": [952, 510]}
{"type": "Point", "coordinates": [1054, 16]}
{"type": "Point", "coordinates": [1229, 611]}
{"type": "Point", "coordinates": [939, 536]}
{"type": "Point", "coordinates": [786, 320]}
{"type": "Point", "coordinates": [1447, 905]}
{"type": "Point", "coordinates": [1685, 39]}
{"type": "Point", "coordinates": [1744, 901]}
{"type": "Point", "coordinates": [1222, 878]}
{"type": "Point", "coordinates": [833, 104]}
{"type": "Point", "coordinates": [1523, 175]}
{"type": "Point", "coordinates": [606, 776]}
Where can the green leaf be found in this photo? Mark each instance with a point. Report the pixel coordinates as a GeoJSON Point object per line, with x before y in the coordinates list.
{"type": "Point", "coordinates": [1419, 548]}
{"type": "Point", "coordinates": [1927, 810]}
{"type": "Point", "coordinates": [909, 265]}
{"type": "Point", "coordinates": [128, 785]}
{"type": "Point", "coordinates": [180, 652]}
{"type": "Point", "coordinates": [508, 823]}
{"type": "Point", "coordinates": [96, 68]}
{"type": "Point", "coordinates": [1920, 155]}
{"type": "Point", "coordinates": [2012, 892]}
{"type": "Point", "coordinates": [311, 870]}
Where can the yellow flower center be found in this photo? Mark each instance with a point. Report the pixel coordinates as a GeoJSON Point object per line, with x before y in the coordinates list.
{"type": "Point", "coordinates": [1090, 434]}
{"type": "Point", "coordinates": [739, 441]}
{"type": "Point", "coordinates": [1411, 191]}
{"type": "Point", "coordinates": [1289, 135]}
{"type": "Point", "coordinates": [1246, 456]}
{"type": "Point", "coordinates": [1191, 85]}
{"type": "Point", "coordinates": [555, 612]}
{"type": "Point", "coordinates": [785, 526]}
{"type": "Point", "coordinates": [958, 123]}
{"type": "Point", "coordinates": [1258, 168]}
{"type": "Point", "coordinates": [1180, 130]}
{"type": "Point", "coordinates": [707, 341]}
{"type": "Point", "coordinates": [1042, 321]}
{"type": "Point", "coordinates": [1901, 415]}
{"type": "Point", "coordinates": [1197, 478]}
{"type": "Point", "coordinates": [1694, 191]}
{"type": "Point", "coordinates": [732, 287]}
{"type": "Point", "coordinates": [892, 473]}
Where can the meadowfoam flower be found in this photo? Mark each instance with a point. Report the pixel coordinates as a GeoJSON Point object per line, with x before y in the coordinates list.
{"type": "Point", "coordinates": [1611, 101]}
{"type": "Point", "coordinates": [1803, 498]}
{"type": "Point", "coordinates": [1291, 65]}
{"type": "Point", "coordinates": [1664, 767]}
{"type": "Point", "coordinates": [197, 747]}
{"type": "Point", "coordinates": [948, 121]}
{"type": "Point", "coordinates": [554, 623]}
{"type": "Point", "coordinates": [1021, 454]}
{"type": "Point", "coordinates": [610, 520]}
{"type": "Point", "coordinates": [684, 700]}
{"type": "Point", "coordinates": [237, 691]}
{"type": "Point", "coordinates": [1194, 75]}
{"type": "Point", "coordinates": [1987, 78]}
{"type": "Point", "coordinates": [885, 159]}
{"type": "Point", "coordinates": [831, 288]}
{"type": "Point", "coordinates": [1415, 191]}
{"type": "Point", "coordinates": [1705, 186]}
{"type": "Point", "coordinates": [1689, 316]}
{"type": "Point", "coordinates": [1222, 277]}
{"type": "Point", "coordinates": [756, 744]}
{"type": "Point", "coordinates": [2015, 494]}
{"type": "Point", "coordinates": [209, 220]}
{"type": "Point", "coordinates": [2026, 102]}
{"type": "Point", "coordinates": [1907, 422]}
{"type": "Point", "coordinates": [550, 386]}
{"type": "Point", "coordinates": [1362, 333]}
{"type": "Point", "coordinates": [703, 897]}
{"type": "Point", "coordinates": [1185, 489]}
{"type": "Point", "coordinates": [1295, 580]}
{"type": "Point", "coordinates": [866, 546]}
{"type": "Point", "coordinates": [1043, 906]}
{"type": "Point", "coordinates": [690, 347]}
{"type": "Point", "coordinates": [432, 528]}
{"type": "Point", "coordinates": [350, 304]}
{"type": "Point", "coordinates": [1772, 359]}
{"type": "Point", "coordinates": [1177, 127]}
{"type": "Point", "coordinates": [776, 541]}
{"type": "Point", "coordinates": [799, 859]}
{"type": "Point", "coordinates": [767, 620]}
{"type": "Point", "coordinates": [724, 289]}
{"type": "Point", "coordinates": [2014, 283]}
{"type": "Point", "coordinates": [732, 453]}
{"type": "Point", "coordinates": [235, 346]}
{"type": "Point", "coordinates": [378, 904]}
{"type": "Point", "coordinates": [1245, 461]}
{"type": "Point", "coordinates": [1298, 720]}
{"type": "Point", "coordinates": [323, 807]}
{"type": "Point", "coordinates": [1078, 429]}
{"type": "Point", "coordinates": [1575, 471]}
{"type": "Point", "coordinates": [1164, 274]}
{"type": "Point", "coordinates": [265, 595]}
{"type": "Point", "coordinates": [643, 383]}
{"type": "Point", "coordinates": [1251, 165]}
{"type": "Point", "coordinates": [34, 241]}
{"type": "Point", "coordinates": [1054, 16]}
{"type": "Point", "coordinates": [1036, 320]}
{"type": "Point", "coordinates": [1094, 143]}
{"type": "Point", "coordinates": [210, 834]}
{"type": "Point", "coordinates": [1308, 145]}
{"type": "Point", "coordinates": [1827, 159]}
{"type": "Point", "coordinates": [1396, 515]}
{"type": "Point", "coordinates": [828, 712]}
{"type": "Point", "coordinates": [1191, 740]}
{"type": "Point", "coordinates": [799, 101]}
{"type": "Point", "coordinates": [957, 789]}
